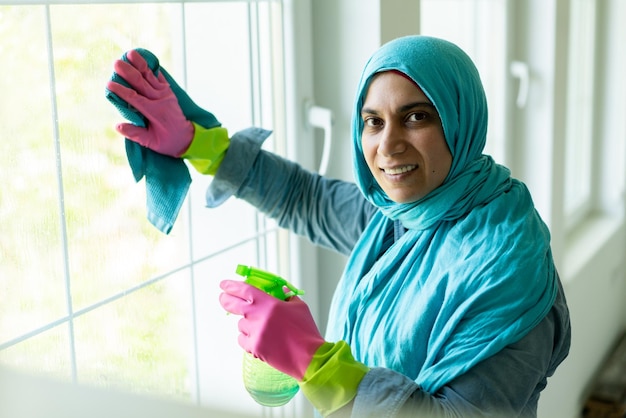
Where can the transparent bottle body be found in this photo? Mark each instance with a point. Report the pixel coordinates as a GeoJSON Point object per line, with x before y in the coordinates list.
{"type": "Point", "coordinates": [266, 385]}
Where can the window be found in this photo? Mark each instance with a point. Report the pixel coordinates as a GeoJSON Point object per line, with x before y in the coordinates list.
{"type": "Point", "coordinates": [581, 107]}
{"type": "Point", "coordinates": [91, 292]}
{"type": "Point", "coordinates": [472, 28]}
{"type": "Point", "coordinates": [554, 142]}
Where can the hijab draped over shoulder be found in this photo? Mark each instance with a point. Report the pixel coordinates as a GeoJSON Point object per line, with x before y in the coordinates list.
{"type": "Point", "coordinates": [474, 271]}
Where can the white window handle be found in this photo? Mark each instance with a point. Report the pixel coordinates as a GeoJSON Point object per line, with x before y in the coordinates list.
{"type": "Point", "coordinates": [520, 70]}
{"type": "Point", "coordinates": [322, 118]}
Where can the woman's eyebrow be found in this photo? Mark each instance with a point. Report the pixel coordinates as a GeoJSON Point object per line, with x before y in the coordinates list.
{"type": "Point", "coordinates": [368, 110]}
{"type": "Point", "coordinates": [413, 105]}
{"type": "Point", "coordinates": [402, 108]}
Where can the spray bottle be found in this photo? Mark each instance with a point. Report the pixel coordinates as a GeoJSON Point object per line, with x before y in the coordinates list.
{"type": "Point", "coordinates": [266, 385]}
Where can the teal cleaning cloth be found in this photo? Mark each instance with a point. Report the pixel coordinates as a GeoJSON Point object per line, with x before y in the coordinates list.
{"type": "Point", "coordinates": [474, 271]}
{"type": "Point", "coordinates": [167, 178]}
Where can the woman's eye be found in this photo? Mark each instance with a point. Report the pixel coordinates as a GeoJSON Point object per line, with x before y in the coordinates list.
{"type": "Point", "coordinates": [417, 116]}
{"type": "Point", "coordinates": [371, 122]}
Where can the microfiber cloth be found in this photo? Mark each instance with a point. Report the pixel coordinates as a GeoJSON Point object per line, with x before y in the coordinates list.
{"type": "Point", "coordinates": [167, 178]}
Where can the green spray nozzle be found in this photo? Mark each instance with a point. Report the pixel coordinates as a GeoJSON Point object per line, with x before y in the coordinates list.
{"type": "Point", "coordinates": [268, 282]}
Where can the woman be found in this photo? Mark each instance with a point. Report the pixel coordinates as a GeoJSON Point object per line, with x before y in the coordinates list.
{"type": "Point", "coordinates": [450, 304]}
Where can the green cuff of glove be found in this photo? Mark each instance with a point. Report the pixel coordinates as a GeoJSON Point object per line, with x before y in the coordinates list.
{"type": "Point", "coordinates": [207, 149]}
{"type": "Point", "coordinates": [332, 378]}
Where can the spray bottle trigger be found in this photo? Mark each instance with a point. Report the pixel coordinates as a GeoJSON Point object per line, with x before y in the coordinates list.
{"type": "Point", "coordinates": [268, 282]}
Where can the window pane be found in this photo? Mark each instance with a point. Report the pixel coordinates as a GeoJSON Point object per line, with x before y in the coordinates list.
{"type": "Point", "coordinates": [32, 289]}
{"type": "Point", "coordinates": [472, 27]}
{"type": "Point", "coordinates": [47, 353]}
{"type": "Point", "coordinates": [580, 109]}
{"type": "Point", "coordinates": [220, 374]}
{"type": "Point", "coordinates": [234, 81]}
{"type": "Point", "coordinates": [220, 80]}
{"type": "Point", "coordinates": [142, 342]}
{"type": "Point", "coordinates": [111, 245]}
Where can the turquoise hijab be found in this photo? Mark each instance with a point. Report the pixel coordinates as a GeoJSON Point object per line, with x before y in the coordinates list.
{"type": "Point", "coordinates": [474, 271]}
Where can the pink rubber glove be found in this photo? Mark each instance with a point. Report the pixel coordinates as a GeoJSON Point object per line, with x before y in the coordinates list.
{"type": "Point", "coordinates": [168, 131]}
{"type": "Point", "coordinates": [281, 333]}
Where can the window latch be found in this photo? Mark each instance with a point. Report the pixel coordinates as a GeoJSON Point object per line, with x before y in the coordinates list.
{"type": "Point", "coordinates": [322, 118]}
{"type": "Point", "coordinates": [521, 71]}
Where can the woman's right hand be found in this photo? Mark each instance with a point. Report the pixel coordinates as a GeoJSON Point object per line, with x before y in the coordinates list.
{"type": "Point", "coordinates": [168, 131]}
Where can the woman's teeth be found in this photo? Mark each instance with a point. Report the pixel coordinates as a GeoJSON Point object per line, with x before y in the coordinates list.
{"type": "Point", "coordinates": [399, 170]}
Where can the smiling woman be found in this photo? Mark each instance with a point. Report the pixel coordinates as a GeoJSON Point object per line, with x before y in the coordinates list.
{"type": "Point", "coordinates": [450, 279]}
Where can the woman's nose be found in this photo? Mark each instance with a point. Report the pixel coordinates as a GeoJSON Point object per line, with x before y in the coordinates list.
{"type": "Point", "coordinates": [392, 141]}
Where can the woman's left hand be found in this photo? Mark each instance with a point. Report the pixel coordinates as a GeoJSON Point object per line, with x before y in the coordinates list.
{"type": "Point", "coordinates": [281, 333]}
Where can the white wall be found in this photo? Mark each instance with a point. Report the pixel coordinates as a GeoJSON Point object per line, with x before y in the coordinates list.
{"type": "Point", "coordinates": [591, 261]}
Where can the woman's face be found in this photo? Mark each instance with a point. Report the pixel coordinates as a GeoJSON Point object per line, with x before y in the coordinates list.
{"type": "Point", "coordinates": [403, 140]}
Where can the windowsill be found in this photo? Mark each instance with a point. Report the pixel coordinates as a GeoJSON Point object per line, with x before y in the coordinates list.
{"type": "Point", "coordinates": [600, 234]}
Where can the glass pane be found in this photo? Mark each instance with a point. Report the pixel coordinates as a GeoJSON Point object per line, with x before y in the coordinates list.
{"type": "Point", "coordinates": [234, 82]}
{"type": "Point", "coordinates": [241, 94]}
{"type": "Point", "coordinates": [48, 353]}
{"type": "Point", "coordinates": [221, 82]}
{"type": "Point", "coordinates": [111, 244]}
{"type": "Point", "coordinates": [219, 63]}
{"type": "Point", "coordinates": [220, 374]}
{"type": "Point", "coordinates": [580, 108]}
{"type": "Point", "coordinates": [32, 288]}
{"type": "Point", "coordinates": [142, 342]}
{"type": "Point", "coordinates": [472, 27]}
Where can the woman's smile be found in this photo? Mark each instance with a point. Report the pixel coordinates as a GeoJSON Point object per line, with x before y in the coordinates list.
{"type": "Point", "coordinates": [393, 171]}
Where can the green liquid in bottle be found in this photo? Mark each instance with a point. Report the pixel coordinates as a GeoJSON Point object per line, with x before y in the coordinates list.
{"type": "Point", "coordinates": [266, 385]}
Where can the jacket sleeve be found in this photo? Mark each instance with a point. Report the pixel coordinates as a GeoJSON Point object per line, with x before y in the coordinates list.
{"type": "Point", "coordinates": [507, 384]}
{"type": "Point", "coordinates": [331, 213]}
{"type": "Point", "coordinates": [501, 386]}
